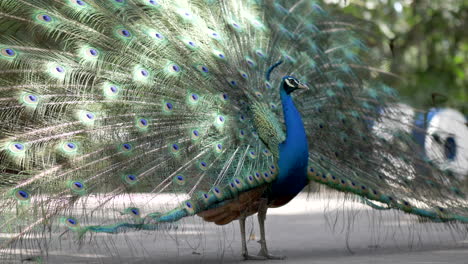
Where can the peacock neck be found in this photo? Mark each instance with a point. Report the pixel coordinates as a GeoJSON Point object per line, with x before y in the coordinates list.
{"type": "Point", "coordinates": [295, 132]}
{"type": "Point", "coordinates": [294, 152]}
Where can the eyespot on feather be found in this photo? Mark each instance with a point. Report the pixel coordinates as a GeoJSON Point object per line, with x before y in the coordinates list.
{"type": "Point", "coordinates": [202, 165]}
{"type": "Point", "coordinates": [16, 148]}
{"type": "Point", "coordinates": [130, 179]}
{"type": "Point", "coordinates": [22, 195]}
{"type": "Point", "coordinates": [8, 53]}
{"type": "Point", "coordinates": [70, 222]}
{"type": "Point", "coordinates": [44, 18]}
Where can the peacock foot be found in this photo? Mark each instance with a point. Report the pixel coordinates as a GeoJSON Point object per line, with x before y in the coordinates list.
{"type": "Point", "coordinates": [252, 257]}
{"type": "Point", "coordinates": [267, 255]}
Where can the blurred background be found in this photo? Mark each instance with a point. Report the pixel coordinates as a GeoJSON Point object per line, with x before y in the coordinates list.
{"type": "Point", "coordinates": [427, 43]}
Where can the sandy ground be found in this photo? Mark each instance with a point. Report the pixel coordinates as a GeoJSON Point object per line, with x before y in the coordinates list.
{"type": "Point", "coordinates": [321, 231]}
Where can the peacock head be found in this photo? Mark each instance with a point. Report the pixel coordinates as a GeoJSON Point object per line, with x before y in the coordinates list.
{"type": "Point", "coordinates": [291, 84]}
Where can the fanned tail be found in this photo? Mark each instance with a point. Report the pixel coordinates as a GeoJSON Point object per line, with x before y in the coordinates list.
{"type": "Point", "coordinates": [103, 100]}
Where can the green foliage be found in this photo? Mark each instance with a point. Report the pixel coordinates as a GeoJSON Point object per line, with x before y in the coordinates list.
{"type": "Point", "coordinates": [429, 46]}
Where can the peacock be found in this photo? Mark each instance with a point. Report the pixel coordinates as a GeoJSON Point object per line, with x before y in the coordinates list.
{"type": "Point", "coordinates": [233, 106]}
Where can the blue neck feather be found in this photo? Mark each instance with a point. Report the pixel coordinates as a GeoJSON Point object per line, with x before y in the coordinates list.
{"type": "Point", "coordinates": [294, 151]}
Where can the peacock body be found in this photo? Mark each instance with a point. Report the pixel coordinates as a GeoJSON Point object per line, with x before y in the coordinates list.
{"type": "Point", "coordinates": [235, 106]}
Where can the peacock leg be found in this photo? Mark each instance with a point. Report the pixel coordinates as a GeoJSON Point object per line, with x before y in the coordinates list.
{"type": "Point", "coordinates": [262, 210]}
{"type": "Point", "coordinates": [245, 253]}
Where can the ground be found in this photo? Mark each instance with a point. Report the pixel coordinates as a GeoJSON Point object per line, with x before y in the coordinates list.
{"type": "Point", "coordinates": [318, 231]}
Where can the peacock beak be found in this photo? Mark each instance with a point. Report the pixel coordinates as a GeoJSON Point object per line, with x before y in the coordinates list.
{"type": "Point", "coordinates": [302, 86]}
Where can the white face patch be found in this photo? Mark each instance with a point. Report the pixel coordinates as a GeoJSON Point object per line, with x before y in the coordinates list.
{"type": "Point", "coordinates": [291, 82]}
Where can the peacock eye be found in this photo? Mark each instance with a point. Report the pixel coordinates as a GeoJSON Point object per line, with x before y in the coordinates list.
{"type": "Point", "coordinates": [293, 82]}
